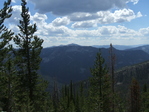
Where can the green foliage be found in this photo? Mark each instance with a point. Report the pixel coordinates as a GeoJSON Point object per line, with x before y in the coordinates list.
{"type": "Point", "coordinates": [119, 103]}
{"type": "Point", "coordinates": [31, 88]}
{"type": "Point", "coordinates": [7, 77]}
{"type": "Point", "coordinates": [5, 34]}
{"type": "Point", "coordinates": [145, 99]}
{"type": "Point", "coordinates": [21, 88]}
{"type": "Point", "coordinates": [100, 87]}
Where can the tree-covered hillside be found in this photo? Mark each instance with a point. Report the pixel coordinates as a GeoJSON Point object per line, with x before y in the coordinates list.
{"type": "Point", "coordinates": [73, 62]}
{"type": "Point", "coordinates": [139, 71]}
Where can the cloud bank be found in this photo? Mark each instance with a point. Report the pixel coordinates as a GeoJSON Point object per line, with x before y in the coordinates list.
{"type": "Point", "coordinates": [65, 7]}
{"type": "Point", "coordinates": [84, 22]}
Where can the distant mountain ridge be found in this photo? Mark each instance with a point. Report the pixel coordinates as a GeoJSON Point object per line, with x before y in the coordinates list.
{"type": "Point", "coordinates": [144, 48]}
{"type": "Point", "coordinates": [73, 62]}
{"type": "Point", "coordinates": [118, 47]}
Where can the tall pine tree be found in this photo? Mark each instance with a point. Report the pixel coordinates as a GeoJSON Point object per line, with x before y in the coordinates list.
{"type": "Point", "coordinates": [100, 87]}
{"type": "Point", "coordinates": [6, 64]}
{"type": "Point", "coordinates": [28, 59]}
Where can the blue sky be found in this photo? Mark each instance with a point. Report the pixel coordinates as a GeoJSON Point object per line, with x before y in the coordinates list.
{"type": "Point", "coordinates": [87, 22]}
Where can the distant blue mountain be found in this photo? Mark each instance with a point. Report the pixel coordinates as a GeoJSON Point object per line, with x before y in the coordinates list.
{"type": "Point", "coordinates": [119, 47]}
{"type": "Point", "coordinates": [144, 48]}
{"type": "Point", "coordinates": [73, 62]}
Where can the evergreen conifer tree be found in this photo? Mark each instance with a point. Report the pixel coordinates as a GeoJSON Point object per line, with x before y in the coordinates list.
{"type": "Point", "coordinates": [6, 62]}
{"type": "Point", "coordinates": [5, 35]}
{"type": "Point", "coordinates": [100, 87]}
{"type": "Point", "coordinates": [31, 86]}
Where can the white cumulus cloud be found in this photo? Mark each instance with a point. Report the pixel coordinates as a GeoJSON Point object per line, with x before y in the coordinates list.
{"type": "Point", "coordinates": [144, 31]}
{"type": "Point", "coordinates": [84, 24]}
{"type": "Point", "coordinates": [82, 16]}
{"type": "Point", "coordinates": [61, 21]}
{"type": "Point", "coordinates": [88, 20]}
{"type": "Point", "coordinates": [39, 18]}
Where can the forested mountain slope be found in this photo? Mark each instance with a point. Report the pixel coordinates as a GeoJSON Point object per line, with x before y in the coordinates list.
{"type": "Point", "coordinates": [139, 71]}
{"type": "Point", "coordinates": [144, 48]}
{"type": "Point", "coordinates": [73, 62]}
